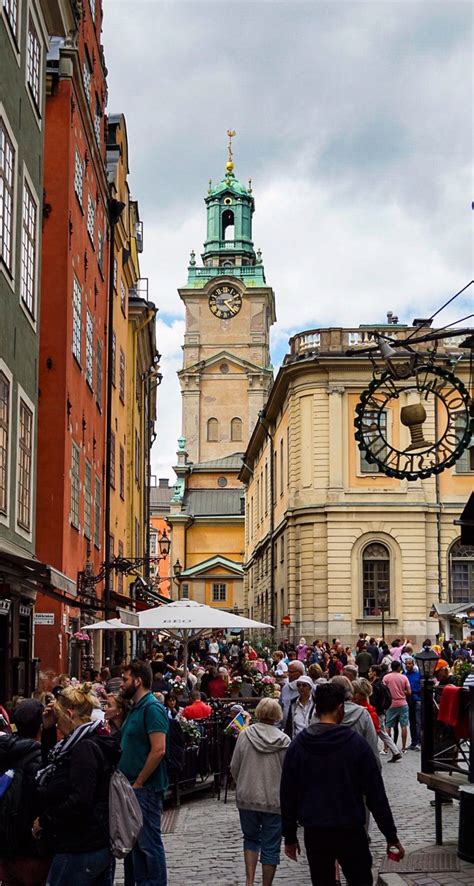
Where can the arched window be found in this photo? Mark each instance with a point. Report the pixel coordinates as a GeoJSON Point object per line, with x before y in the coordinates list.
{"type": "Point", "coordinates": [461, 573]}
{"type": "Point", "coordinates": [228, 225]}
{"type": "Point", "coordinates": [375, 578]}
{"type": "Point", "coordinates": [213, 430]}
{"type": "Point", "coordinates": [236, 430]}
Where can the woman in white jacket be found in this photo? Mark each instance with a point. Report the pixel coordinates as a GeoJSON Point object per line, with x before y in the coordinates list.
{"type": "Point", "coordinates": [256, 767]}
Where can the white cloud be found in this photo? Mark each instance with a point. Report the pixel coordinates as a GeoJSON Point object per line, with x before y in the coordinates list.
{"type": "Point", "coordinates": [353, 121]}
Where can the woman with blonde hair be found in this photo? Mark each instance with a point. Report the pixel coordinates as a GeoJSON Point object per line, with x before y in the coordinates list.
{"type": "Point", "coordinates": [256, 768]}
{"type": "Point", "coordinates": [73, 791]}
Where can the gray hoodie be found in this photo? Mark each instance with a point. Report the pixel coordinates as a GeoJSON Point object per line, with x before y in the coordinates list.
{"type": "Point", "coordinates": [256, 767]}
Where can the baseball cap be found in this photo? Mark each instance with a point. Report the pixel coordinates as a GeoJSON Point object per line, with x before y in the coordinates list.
{"type": "Point", "coordinates": [304, 679]}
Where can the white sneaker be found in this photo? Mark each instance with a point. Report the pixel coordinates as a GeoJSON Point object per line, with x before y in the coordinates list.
{"type": "Point", "coordinates": [383, 751]}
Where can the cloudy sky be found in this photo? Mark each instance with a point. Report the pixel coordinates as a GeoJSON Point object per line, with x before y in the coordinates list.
{"type": "Point", "coordinates": [353, 121]}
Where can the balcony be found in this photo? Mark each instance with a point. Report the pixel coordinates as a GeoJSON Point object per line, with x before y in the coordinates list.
{"type": "Point", "coordinates": [337, 341]}
{"type": "Point", "coordinates": [199, 276]}
{"type": "Point", "coordinates": [140, 289]}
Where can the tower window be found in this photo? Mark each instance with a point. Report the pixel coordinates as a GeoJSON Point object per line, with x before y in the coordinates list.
{"type": "Point", "coordinates": [212, 430]}
{"type": "Point", "coordinates": [236, 430]}
{"type": "Point", "coordinates": [228, 225]}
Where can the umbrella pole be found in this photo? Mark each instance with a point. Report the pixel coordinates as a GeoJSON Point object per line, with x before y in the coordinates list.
{"type": "Point", "coordinates": [185, 656]}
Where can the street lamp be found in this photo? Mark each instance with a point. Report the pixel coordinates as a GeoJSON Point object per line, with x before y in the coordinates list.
{"type": "Point", "coordinates": [382, 599]}
{"type": "Point", "coordinates": [426, 662]}
{"type": "Point", "coordinates": [164, 544]}
{"type": "Point", "coordinates": [177, 570]}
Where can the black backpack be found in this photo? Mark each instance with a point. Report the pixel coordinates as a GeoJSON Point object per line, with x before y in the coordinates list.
{"type": "Point", "coordinates": [16, 809]}
{"type": "Point", "coordinates": [385, 697]}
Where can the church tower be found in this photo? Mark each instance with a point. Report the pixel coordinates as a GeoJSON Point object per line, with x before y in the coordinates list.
{"type": "Point", "coordinates": [226, 372]}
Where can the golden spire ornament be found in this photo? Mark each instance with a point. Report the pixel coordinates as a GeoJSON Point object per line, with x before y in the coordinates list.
{"type": "Point", "coordinates": [230, 161]}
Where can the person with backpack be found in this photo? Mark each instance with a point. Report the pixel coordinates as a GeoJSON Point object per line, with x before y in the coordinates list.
{"type": "Point", "coordinates": [144, 739]}
{"type": "Point", "coordinates": [381, 700]}
{"type": "Point", "coordinates": [72, 792]}
{"type": "Point", "coordinates": [20, 754]}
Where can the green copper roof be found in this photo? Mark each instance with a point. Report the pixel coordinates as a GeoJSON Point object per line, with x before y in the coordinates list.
{"type": "Point", "coordinates": [229, 183]}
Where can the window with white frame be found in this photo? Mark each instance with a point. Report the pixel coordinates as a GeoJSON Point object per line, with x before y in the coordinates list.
{"type": "Point", "coordinates": [89, 349]}
{"type": "Point", "coordinates": [375, 578]}
{"type": "Point", "coordinates": [114, 358]}
{"type": "Point", "coordinates": [464, 464]}
{"type": "Point", "coordinates": [97, 510]}
{"type": "Point", "coordinates": [7, 179]}
{"type": "Point", "coordinates": [97, 121]}
{"type": "Point", "coordinates": [461, 569]}
{"type": "Point", "coordinates": [10, 10]}
{"type": "Point", "coordinates": [98, 373]}
{"type": "Point", "coordinates": [87, 77]}
{"type": "Point", "coordinates": [90, 217]}
{"type": "Point", "coordinates": [219, 592]}
{"type": "Point", "coordinates": [87, 499]}
{"type": "Point", "coordinates": [78, 176]}
{"type": "Point", "coordinates": [75, 483]}
{"type": "Point", "coordinates": [375, 424]}
{"type": "Point", "coordinates": [100, 249]}
{"type": "Point", "coordinates": [77, 320]}
{"type": "Point", "coordinates": [122, 376]}
{"type": "Point", "coordinates": [153, 544]}
{"type": "Point", "coordinates": [28, 249]}
{"type": "Point", "coordinates": [4, 440]}
{"type": "Point", "coordinates": [25, 460]}
{"type": "Point", "coordinates": [33, 63]}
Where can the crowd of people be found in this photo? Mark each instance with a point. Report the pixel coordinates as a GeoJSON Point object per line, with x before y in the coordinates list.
{"type": "Point", "coordinates": [309, 754]}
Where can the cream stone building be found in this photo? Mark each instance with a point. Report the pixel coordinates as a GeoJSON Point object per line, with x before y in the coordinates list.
{"type": "Point", "coordinates": [326, 532]}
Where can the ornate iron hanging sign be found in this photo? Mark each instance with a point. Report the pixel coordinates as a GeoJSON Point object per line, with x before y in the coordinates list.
{"type": "Point", "coordinates": [430, 390]}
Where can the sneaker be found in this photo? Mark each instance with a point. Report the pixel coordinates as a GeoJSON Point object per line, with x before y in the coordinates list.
{"type": "Point", "coordinates": [418, 747]}
{"type": "Point", "coordinates": [395, 758]}
{"type": "Point", "coordinates": [383, 751]}
{"type": "Point", "coordinates": [404, 750]}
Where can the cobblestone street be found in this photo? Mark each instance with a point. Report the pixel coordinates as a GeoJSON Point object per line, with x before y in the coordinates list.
{"type": "Point", "coordinates": [206, 846]}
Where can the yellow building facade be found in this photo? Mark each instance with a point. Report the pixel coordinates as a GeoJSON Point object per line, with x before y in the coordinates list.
{"type": "Point", "coordinates": [134, 375]}
{"type": "Point", "coordinates": [325, 530]}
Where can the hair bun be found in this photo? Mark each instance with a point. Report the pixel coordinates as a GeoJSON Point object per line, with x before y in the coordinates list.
{"type": "Point", "coordinates": [85, 688]}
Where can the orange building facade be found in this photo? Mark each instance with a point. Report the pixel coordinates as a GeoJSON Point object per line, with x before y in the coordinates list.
{"type": "Point", "coordinates": [72, 366]}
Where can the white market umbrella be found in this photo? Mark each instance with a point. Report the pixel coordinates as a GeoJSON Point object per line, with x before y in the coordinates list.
{"type": "Point", "coordinates": [186, 620]}
{"type": "Point", "coordinates": [111, 624]}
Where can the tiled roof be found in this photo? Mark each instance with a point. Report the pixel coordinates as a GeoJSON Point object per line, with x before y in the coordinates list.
{"type": "Point", "coordinates": [213, 502]}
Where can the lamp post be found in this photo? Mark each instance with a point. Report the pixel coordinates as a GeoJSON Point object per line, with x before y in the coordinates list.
{"type": "Point", "coordinates": [177, 570]}
{"type": "Point", "coordinates": [382, 599]}
{"type": "Point", "coordinates": [426, 662]}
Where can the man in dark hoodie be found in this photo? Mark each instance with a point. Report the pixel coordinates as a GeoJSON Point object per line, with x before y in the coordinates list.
{"type": "Point", "coordinates": [328, 773]}
{"type": "Point", "coordinates": [19, 859]}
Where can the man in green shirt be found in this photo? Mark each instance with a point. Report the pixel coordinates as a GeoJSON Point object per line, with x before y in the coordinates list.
{"type": "Point", "coordinates": [142, 762]}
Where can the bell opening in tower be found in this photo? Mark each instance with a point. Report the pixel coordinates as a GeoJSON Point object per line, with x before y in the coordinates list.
{"type": "Point", "coordinates": [228, 228]}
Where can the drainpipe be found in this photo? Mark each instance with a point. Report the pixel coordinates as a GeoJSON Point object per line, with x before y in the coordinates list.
{"type": "Point", "coordinates": [438, 518]}
{"type": "Point", "coordinates": [263, 421]}
{"type": "Point", "coordinates": [115, 209]}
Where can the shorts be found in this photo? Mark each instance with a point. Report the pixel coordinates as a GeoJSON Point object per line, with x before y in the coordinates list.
{"type": "Point", "coordinates": [262, 834]}
{"type": "Point", "coordinates": [397, 715]}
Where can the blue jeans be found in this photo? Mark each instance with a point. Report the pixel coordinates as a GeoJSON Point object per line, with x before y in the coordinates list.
{"type": "Point", "coordinates": [262, 833]}
{"type": "Point", "coordinates": [146, 863]}
{"type": "Point", "coordinates": [414, 712]}
{"type": "Point", "coordinates": [81, 869]}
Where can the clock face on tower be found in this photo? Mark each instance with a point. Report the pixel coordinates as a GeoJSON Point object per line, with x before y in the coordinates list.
{"type": "Point", "coordinates": [225, 301]}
